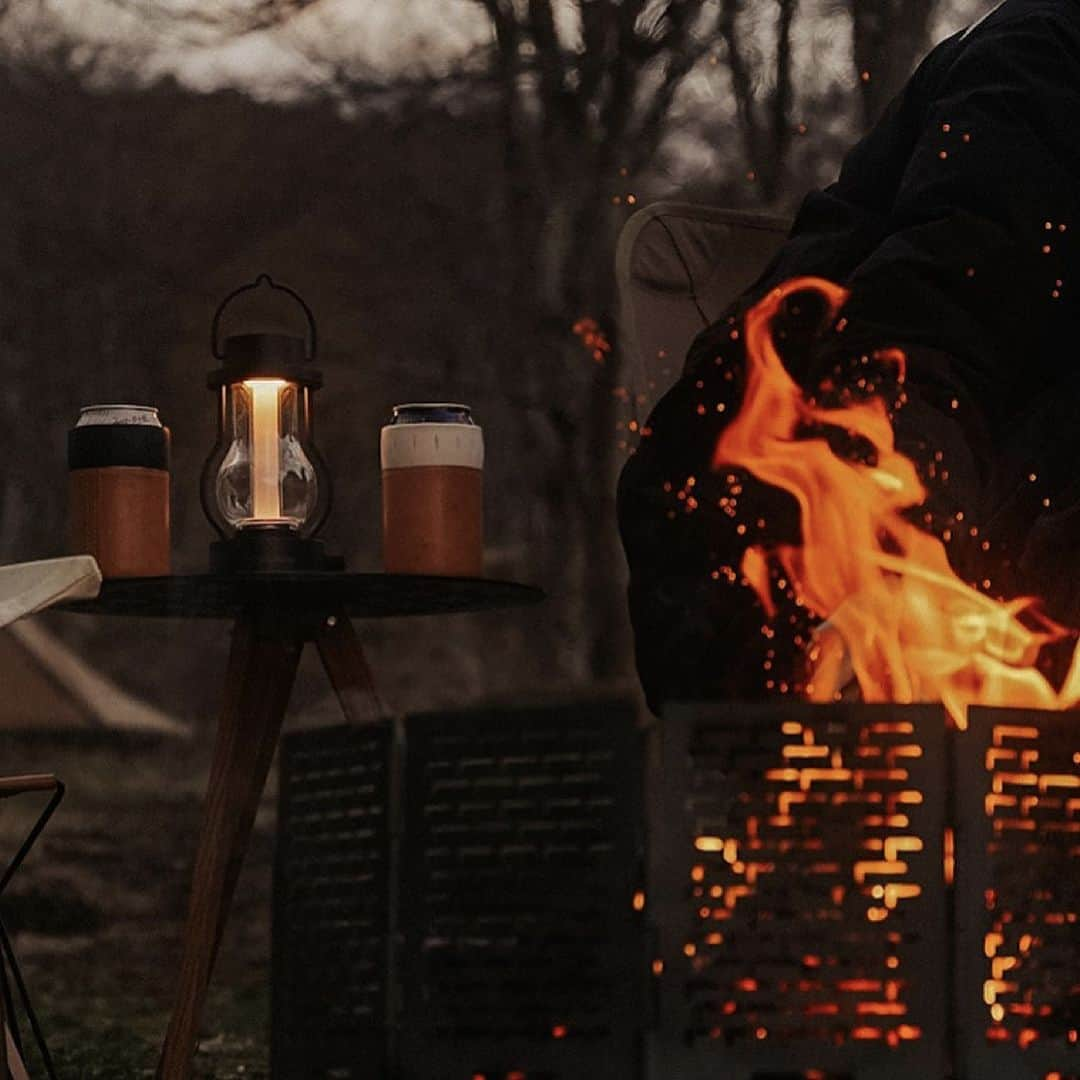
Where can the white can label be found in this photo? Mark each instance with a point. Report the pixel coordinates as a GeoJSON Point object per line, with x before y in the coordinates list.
{"type": "Point", "coordinates": [405, 446]}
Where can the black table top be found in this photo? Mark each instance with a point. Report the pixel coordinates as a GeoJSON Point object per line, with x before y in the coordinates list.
{"type": "Point", "coordinates": [310, 593]}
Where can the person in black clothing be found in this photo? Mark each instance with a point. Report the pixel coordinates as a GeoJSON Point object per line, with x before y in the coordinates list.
{"type": "Point", "coordinates": [954, 224]}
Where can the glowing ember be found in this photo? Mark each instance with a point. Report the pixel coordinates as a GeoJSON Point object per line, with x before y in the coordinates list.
{"type": "Point", "coordinates": [898, 621]}
{"type": "Point", "coordinates": [593, 338]}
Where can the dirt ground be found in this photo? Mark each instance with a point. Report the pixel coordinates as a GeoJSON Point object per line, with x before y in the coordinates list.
{"type": "Point", "coordinates": [96, 911]}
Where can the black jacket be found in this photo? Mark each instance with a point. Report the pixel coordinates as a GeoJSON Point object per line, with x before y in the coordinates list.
{"type": "Point", "coordinates": [955, 225]}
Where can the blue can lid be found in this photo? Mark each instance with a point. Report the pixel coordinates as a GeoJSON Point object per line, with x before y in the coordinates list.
{"type": "Point", "coordinates": [439, 412]}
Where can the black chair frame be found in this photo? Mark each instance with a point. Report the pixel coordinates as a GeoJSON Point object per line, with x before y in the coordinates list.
{"type": "Point", "coordinates": [9, 966]}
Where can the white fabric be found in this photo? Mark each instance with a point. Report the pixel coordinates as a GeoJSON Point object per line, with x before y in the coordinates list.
{"type": "Point", "coordinates": [413, 445]}
{"type": "Point", "coordinates": [34, 586]}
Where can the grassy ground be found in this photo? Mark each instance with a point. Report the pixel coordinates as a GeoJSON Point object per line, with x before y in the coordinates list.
{"type": "Point", "coordinates": [97, 910]}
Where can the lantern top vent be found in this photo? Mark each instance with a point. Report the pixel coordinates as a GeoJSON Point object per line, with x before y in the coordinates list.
{"type": "Point", "coordinates": [264, 354]}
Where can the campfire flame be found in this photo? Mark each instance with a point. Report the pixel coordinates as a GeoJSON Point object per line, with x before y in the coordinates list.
{"type": "Point", "coordinates": [898, 621]}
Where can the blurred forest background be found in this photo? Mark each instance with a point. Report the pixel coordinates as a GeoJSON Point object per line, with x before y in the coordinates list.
{"type": "Point", "coordinates": [444, 181]}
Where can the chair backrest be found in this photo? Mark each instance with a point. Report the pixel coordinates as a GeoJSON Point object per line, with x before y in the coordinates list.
{"type": "Point", "coordinates": [677, 267]}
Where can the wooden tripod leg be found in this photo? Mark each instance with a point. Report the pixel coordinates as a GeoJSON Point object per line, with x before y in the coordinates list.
{"type": "Point", "coordinates": [347, 669]}
{"type": "Point", "coordinates": [258, 684]}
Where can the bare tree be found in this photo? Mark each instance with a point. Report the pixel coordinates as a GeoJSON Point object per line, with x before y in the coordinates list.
{"type": "Point", "coordinates": [889, 37]}
{"type": "Point", "coordinates": [766, 124]}
{"type": "Point", "coordinates": [585, 94]}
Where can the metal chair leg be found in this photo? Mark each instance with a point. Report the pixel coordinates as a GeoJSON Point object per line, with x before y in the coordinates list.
{"type": "Point", "coordinates": [11, 1022]}
{"type": "Point", "coordinates": [11, 786]}
{"type": "Point", "coordinates": [19, 785]}
{"type": "Point", "coordinates": [24, 997]}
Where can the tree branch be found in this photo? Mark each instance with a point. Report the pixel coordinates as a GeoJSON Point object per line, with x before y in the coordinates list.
{"type": "Point", "coordinates": [685, 46]}
{"type": "Point", "coordinates": [599, 33]}
{"type": "Point", "coordinates": [559, 107]}
{"type": "Point", "coordinates": [224, 20]}
{"type": "Point", "coordinates": [741, 80]}
{"type": "Point", "coordinates": [783, 96]}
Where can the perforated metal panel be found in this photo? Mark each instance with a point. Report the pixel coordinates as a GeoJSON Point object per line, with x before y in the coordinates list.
{"type": "Point", "coordinates": [521, 862]}
{"type": "Point", "coordinates": [1018, 895]}
{"type": "Point", "coordinates": [798, 886]}
{"type": "Point", "coordinates": [332, 905]}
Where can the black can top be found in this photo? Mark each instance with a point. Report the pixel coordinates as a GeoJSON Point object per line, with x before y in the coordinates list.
{"type": "Point", "coordinates": [99, 446]}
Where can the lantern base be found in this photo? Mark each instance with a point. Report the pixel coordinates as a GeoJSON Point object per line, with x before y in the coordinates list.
{"type": "Point", "coordinates": [270, 550]}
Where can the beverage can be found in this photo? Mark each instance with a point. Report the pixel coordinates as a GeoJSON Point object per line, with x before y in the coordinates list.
{"type": "Point", "coordinates": [432, 457]}
{"type": "Point", "coordinates": [118, 462]}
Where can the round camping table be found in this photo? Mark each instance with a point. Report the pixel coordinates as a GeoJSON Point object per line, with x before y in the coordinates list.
{"type": "Point", "coordinates": [274, 616]}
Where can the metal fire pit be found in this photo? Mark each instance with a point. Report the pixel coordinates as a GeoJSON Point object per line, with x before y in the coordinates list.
{"type": "Point", "coordinates": [836, 893]}
{"type": "Point", "coordinates": [1018, 895]}
{"type": "Point", "coordinates": [848, 891]}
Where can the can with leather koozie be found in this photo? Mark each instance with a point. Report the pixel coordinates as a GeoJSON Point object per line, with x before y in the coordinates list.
{"type": "Point", "coordinates": [118, 461]}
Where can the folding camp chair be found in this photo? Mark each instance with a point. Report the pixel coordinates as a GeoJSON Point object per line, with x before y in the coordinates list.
{"type": "Point", "coordinates": [677, 267]}
{"type": "Point", "coordinates": [27, 588]}
{"type": "Point", "coordinates": [11, 1046]}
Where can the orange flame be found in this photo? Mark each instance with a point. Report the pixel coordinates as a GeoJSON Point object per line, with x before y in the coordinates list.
{"type": "Point", "coordinates": [898, 620]}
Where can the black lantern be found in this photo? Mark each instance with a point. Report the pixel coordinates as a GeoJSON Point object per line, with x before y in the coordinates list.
{"type": "Point", "coordinates": [265, 487]}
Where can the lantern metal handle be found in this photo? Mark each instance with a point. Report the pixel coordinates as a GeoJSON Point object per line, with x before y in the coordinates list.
{"type": "Point", "coordinates": [263, 279]}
